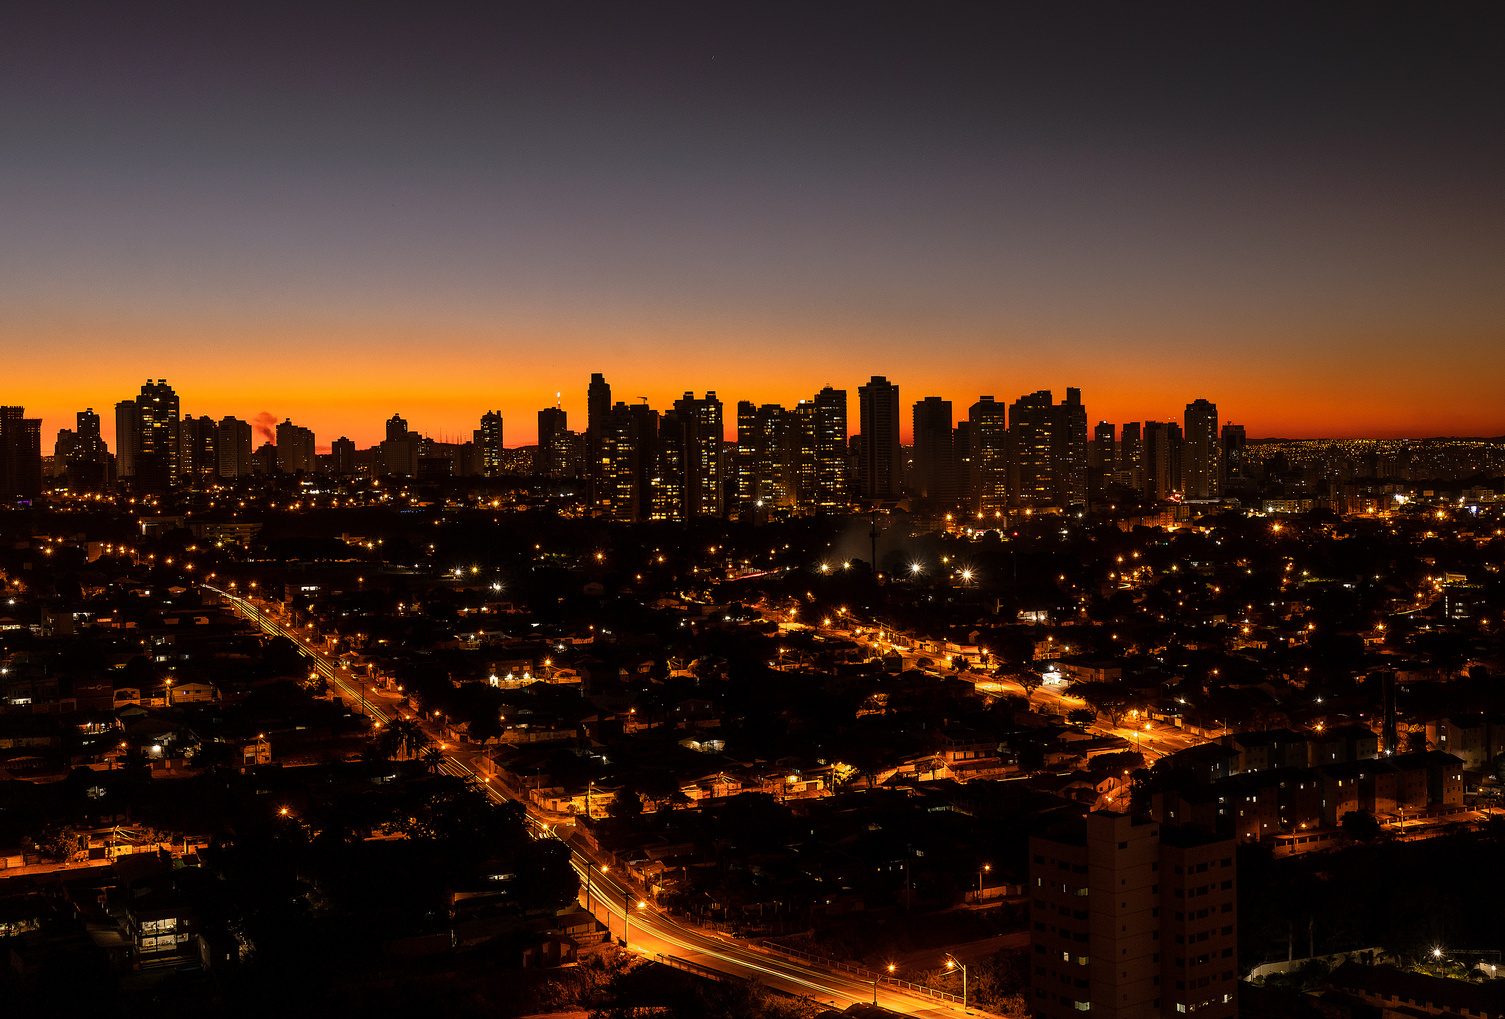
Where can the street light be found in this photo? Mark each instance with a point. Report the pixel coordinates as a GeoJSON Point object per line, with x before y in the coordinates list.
{"type": "Point", "coordinates": [952, 963]}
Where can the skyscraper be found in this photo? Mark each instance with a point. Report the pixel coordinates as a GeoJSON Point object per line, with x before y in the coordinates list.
{"type": "Point", "coordinates": [127, 438]}
{"type": "Point", "coordinates": [88, 466]}
{"type": "Point", "coordinates": [342, 457]}
{"type": "Point", "coordinates": [488, 438]}
{"type": "Point", "coordinates": [1069, 451]}
{"type": "Point", "coordinates": [397, 428]}
{"type": "Point", "coordinates": [765, 467]}
{"type": "Point", "coordinates": [628, 439]}
{"type": "Point", "coordinates": [701, 464]}
{"type": "Point", "coordinates": [20, 454]}
{"type": "Point", "coordinates": [198, 452]}
{"type": "Point", "coordinates": [233, 445]}
{"type": "Point", "coordinates": [1031, 445]}
{"type": "Point", "coordinates": [295, 449]}
{"type": "Point", "coordinates": [934, 457]}
{"type": "Point", "coordinates": [1133, 921]}
{"type": "Point", "coordinates": [820, 480]}
{"type": "Point", "coordinates": [156, 449]}
{"type": "Point", "coordinates": [597, 408]}
{"type": "Point", "coordinates": [988, 436]}
{"type": "Point", "coordinates": [1232, 460]}
{"type": "Point", "coordinates": [1201, 471]}
{"type": "Point", "coordinates": [552, 424]}
{"type": "Point", "coordinates": [1100, 461]}
{"type": "Point", "coordinates": [1162, 460]}
{"type": "Point", "coordinates": [1130, 466]}
{"type": "Point", "coordinates": [881, 463]}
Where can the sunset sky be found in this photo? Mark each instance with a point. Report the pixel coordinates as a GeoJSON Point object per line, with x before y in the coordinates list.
{"type": "Point", "coordinates": [1296, 213]}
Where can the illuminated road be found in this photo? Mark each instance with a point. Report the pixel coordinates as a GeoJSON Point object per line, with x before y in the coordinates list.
{"type": "Point", "coordinates": [650, 933]}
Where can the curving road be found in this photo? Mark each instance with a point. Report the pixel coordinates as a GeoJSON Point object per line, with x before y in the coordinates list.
{"type": "Point", "coordinates": [647, 931]}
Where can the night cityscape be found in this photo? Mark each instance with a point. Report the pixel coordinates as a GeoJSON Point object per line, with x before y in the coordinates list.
{"type": "Point", "coordinates": [1131, 645]}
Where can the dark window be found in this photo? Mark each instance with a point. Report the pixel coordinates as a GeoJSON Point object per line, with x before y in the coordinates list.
{"type": "Point", "coordinates": [1227, 884]}
{"type": "Point", "coordinates": [1123, 845]}
{"type": "Point", "coordinates": [1154, 910]}
{"type": "Point", "coordinates": [1227, 862]}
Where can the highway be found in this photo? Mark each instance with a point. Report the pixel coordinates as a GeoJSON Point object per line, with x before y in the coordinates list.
{"type": "Point", "coordinates": [649, 932]}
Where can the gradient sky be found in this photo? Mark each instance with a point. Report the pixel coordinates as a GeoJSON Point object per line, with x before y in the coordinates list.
{"type": "Point", "coordinates": [1297, 213]}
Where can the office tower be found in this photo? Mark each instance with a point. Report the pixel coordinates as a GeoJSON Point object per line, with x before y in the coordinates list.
{"type": "Point", "coordinates": [881, 463]}
{"type": "Point", "coordinates": [1132, 921]}
{"type": "Point", "coordinates": [398, 453]}
{"type": "Point", "coordinates": [1162, 459]}
{"type": "Point", "coordinates": [934, 476]}
{"type": "Point", "coordinates": [703, 433]}
{"type": "Point", "coordinates": [198, 449]}
{"type": "Point", "coordinates": [552, 421]}
{"type": "Point", "coordinates": [233, 444]}
{"type": "Point", "coordinates": [342, 457]}
{"type": "Point", "coordinates": [597, 409]}
{"type": "Point", "coordinates": [1069, 451]}
{"type": "Point", "coordinates": [397, 428]}
{"type": "Point", "coordinates": [1130, 466]}
{"type": "Point", "coordinates": [1100, 462]}
{"type": "Point", "coordinates": [156, 447]}
{"type": "Point", "coordinates": [66, 446]}
{"type": "Point", "coordinates": [488, 439]}
{"type": "Point", "coordinates": [988, 437]}
{"type": "Point", "coordinates": [627, 437]}
{"type": "Point", "coordinates": [1232, 461]}
{"type": "Point", "coordinates": [295, 449]}
{"type": "Point", "coordinates": [1201, 471]}
{"type": "Point", "coordinates": [127, 438]}
{"type": "Point", "coordinates": [1031, 444]}
{"type": "Point", "coordinates": [20, 454]}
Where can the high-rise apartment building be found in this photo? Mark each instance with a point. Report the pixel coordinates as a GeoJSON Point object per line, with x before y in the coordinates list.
{"type": "Point", "coordinates": [198, 449]}
{"type": "Point", "coordinates": [553, 422]}
{"type": "Point", "coordinates": [20, 454]}
{"type": "Point", "coordinates": [820, 481]}
{"type": "Point", "coordinates": [1130, 466]}
{"type": "Point", "coordinates": [961, 452]}
{"type": "Point", "coordinates": [987, 435]}
{"type": "Point", "coordinates": [1232, 463]}
{"type": "Point", "coordinates": [295, 449]}
{"type": "Point", "coordinates": [628, 439]}
{"type": "Point", "coordinates": [1031, 446]}
{"type": "Point", "coordinates": [1069, 451]}
{"type": "Point", "coordinates": [765, 455]}
{"type": "Point", "coordinates": [597, 409]}
{"type": "Point", "coordinates": [127, 438]}
{"type": "Point", "coordinates": [934, 476]}
{"type": "Point", "coordinates": [233, 446]}
{"type": "Point", "coordinates": [1100, 462]}
{"type": "Point", "coordinates": [488, 439]}
{"type": "Point", "coordinates": [1132, 921]}
{"type": "Point", "coordinates": [1162, 460]}
{"type": "Point", "coordinates": [397, 428]}
{"type": "Point", "coordinates": [701, 435]}
{"type": "Point", "coordinates": [342, 457]}
{"type": "Point", "coordinates": [1200, 452]}
{"type": "Point", "coordinates": [88, 465]}
{"type": "Point", "coordinates": [881, 464]}
{"type": "Point", "coordinates": [157, 426]}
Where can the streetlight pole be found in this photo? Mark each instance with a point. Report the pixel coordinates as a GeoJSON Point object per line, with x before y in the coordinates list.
{"type": "Point", "coordinates": [952, 961]}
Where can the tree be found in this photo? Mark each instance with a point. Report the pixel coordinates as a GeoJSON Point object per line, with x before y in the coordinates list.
{"type": "Point", "coordinates": [485, 727]}
{"type": "Point", "coordinates": [1361, 825]}
{"type": "Point", "coordinates": [1111, 699]}
{"type": "Point", "coordinates": [1081, 716]}
{"type": "Point", "coordinates": [1030, 680]}
{"type": "Point", "coordinates": [433, 759]}
{"type": "Point", "coordinates": [626, 804]}
{"type": "Point", "coordinates": [1416, 741]}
